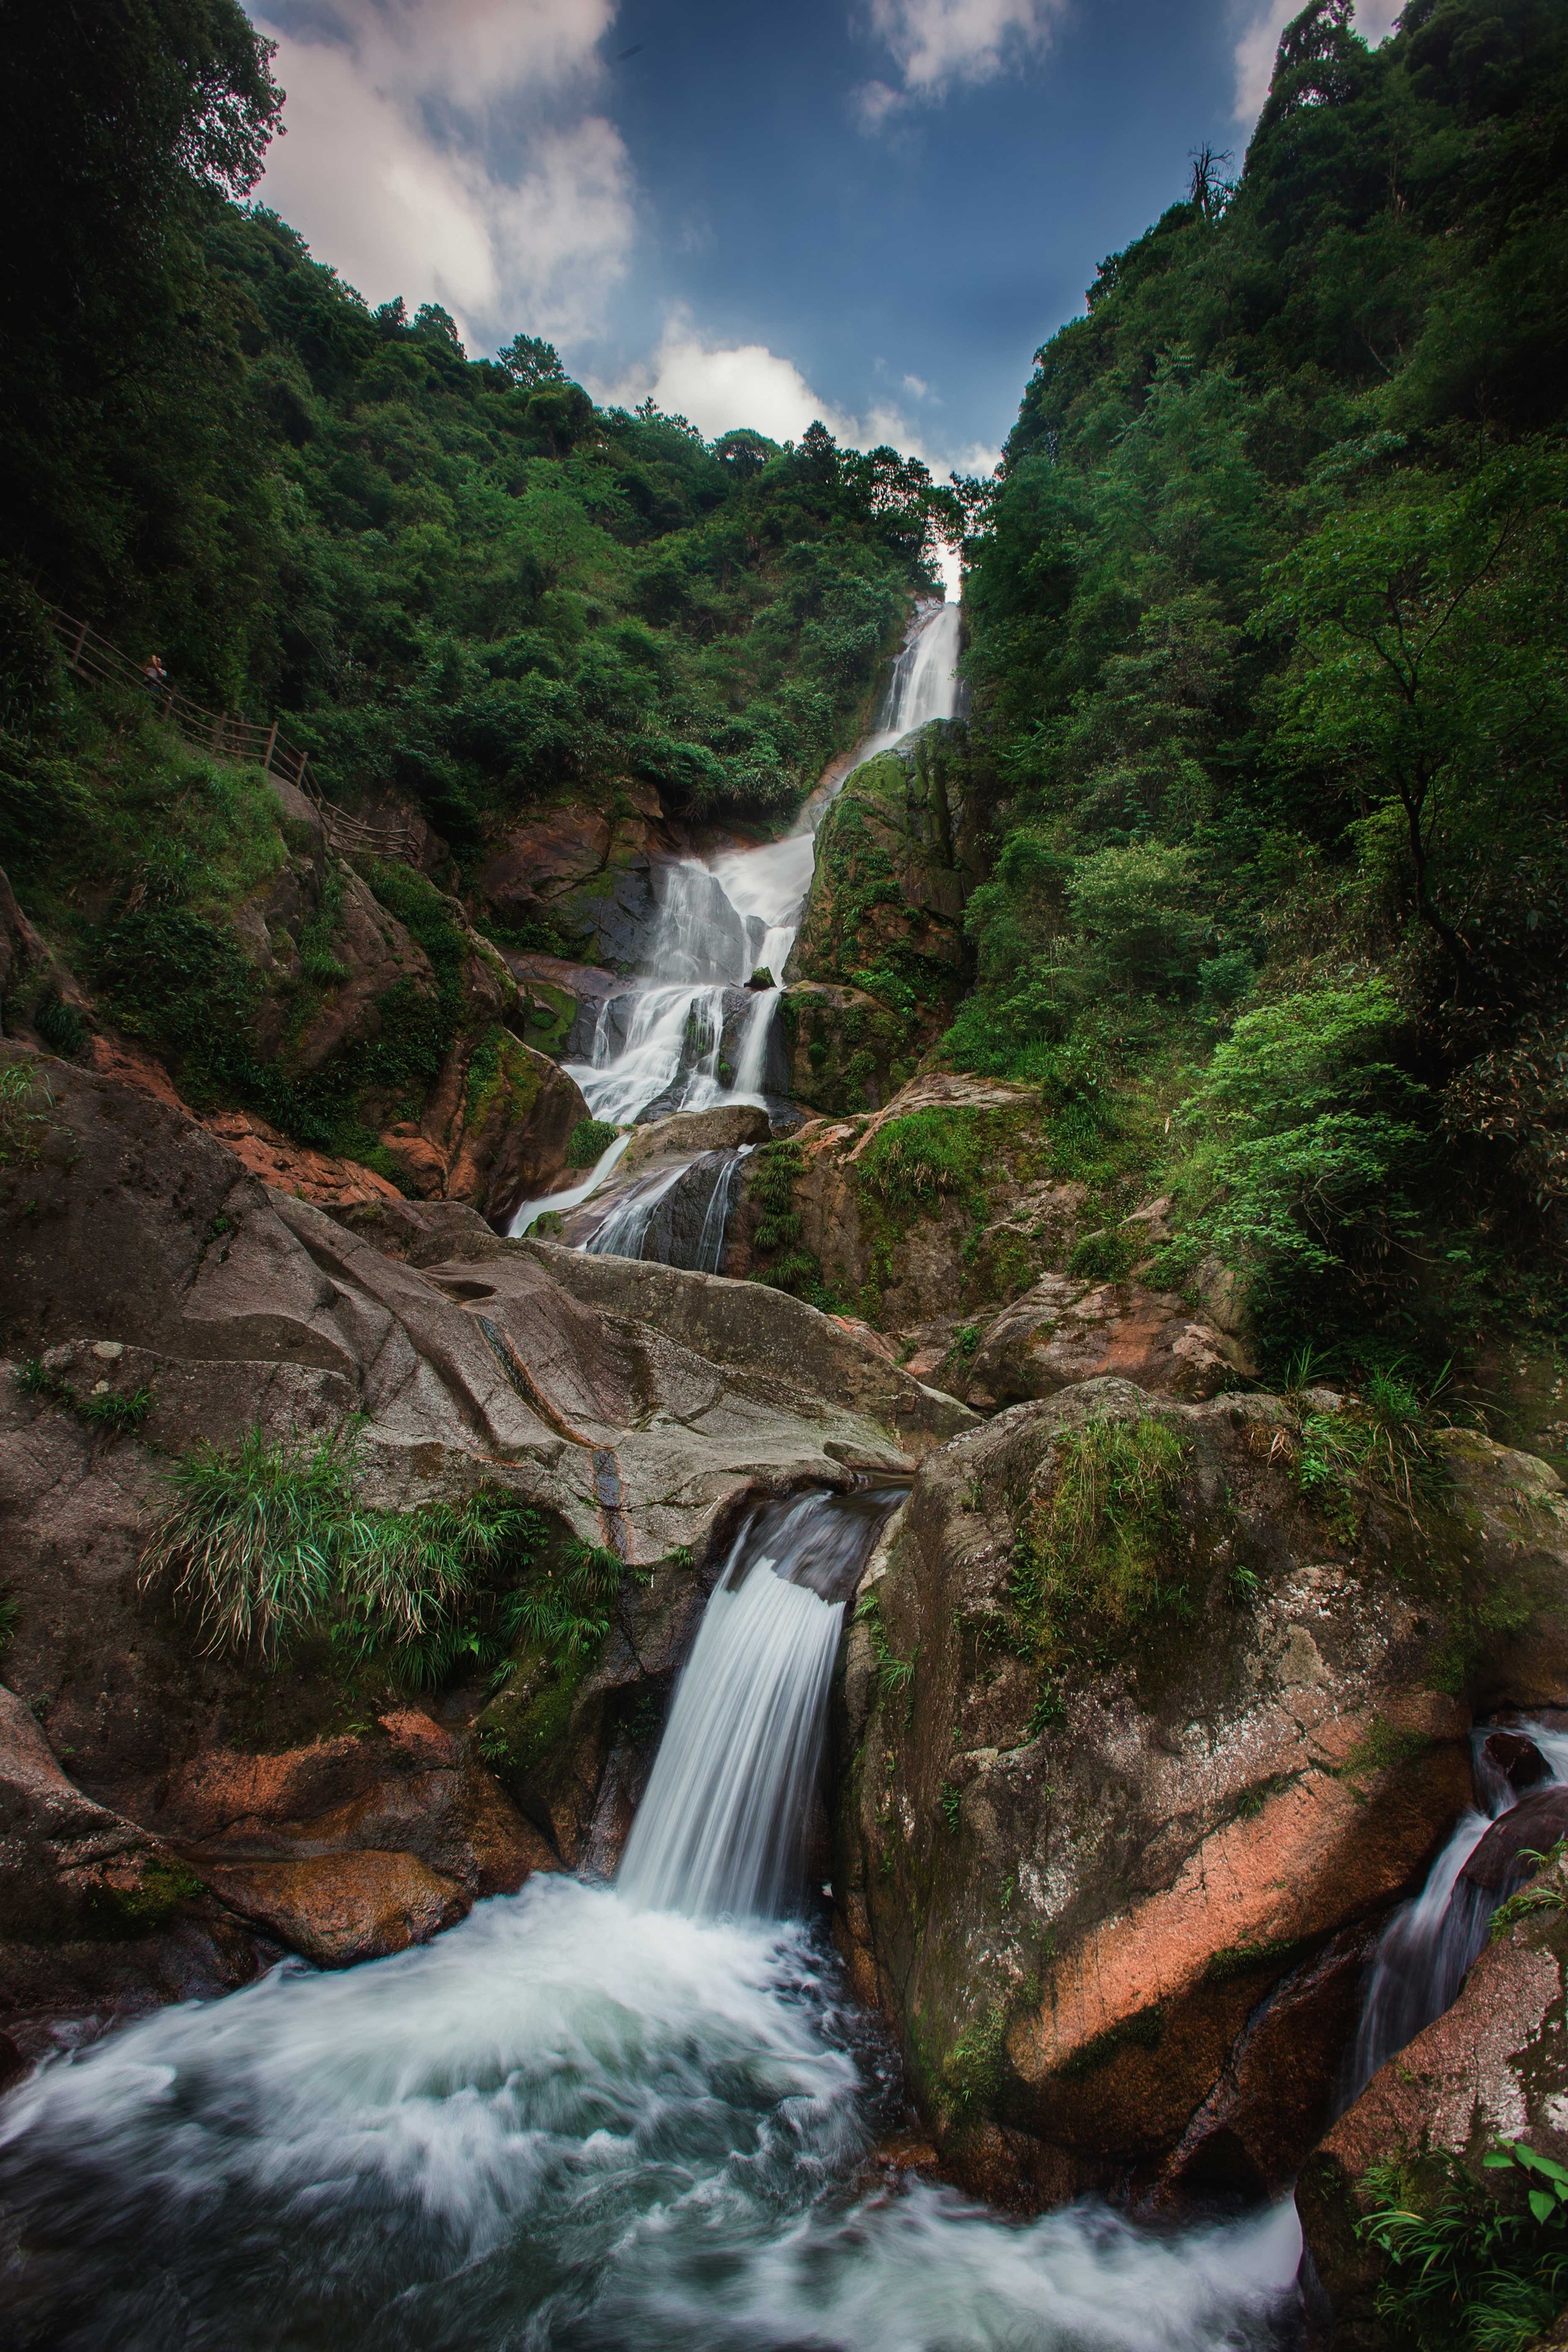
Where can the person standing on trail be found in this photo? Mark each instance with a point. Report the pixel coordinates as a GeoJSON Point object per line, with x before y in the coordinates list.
{"type": "Point", "coordinates": [154, 677]}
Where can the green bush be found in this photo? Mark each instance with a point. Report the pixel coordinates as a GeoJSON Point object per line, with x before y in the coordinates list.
{"type": "Point", "coordinates": [1136, 905]}
{"type": "Point", "coordinates": [60, 1024]}
{"type": "Point", "coordinates": [1311, 1142]}
{"type": "Point", "coordinates": [590, 1138]}
{"type": "Point", "coordinates": [1467, 2271]}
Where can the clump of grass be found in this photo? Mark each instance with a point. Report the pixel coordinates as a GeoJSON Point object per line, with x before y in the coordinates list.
{"type": "Point", "coordinates": [251, 1541]}
{"type": "Point", "coordinates": [121, 1411]}
{"type": "Point", "coordinates": [913, 1162]}
{"type": "Point", "coordinates": [26, 1103]}
{"type": "Point", "coordinates": [590, 1138]}
{"type": "Point", "coordinates": [1087, 1562]}
{"type": "Point", "coordinates": [1107, 1257]}
{"type": "Point", "coordinates": [266, 1540]}
{"type": "Point", "coordinates": [566, 1611]}
{"type": "Point", "coordinates": [891, 1673]}
{"type": "Point", "coordinates": [1379, 1442]}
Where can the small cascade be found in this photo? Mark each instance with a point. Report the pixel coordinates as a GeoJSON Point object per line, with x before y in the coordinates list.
{"type": "Point", "coordinates": [689, 1034]}
{"type": "Point", "coordinates": [585, 2116]}
{"type": "Point", "coordinates": [722, 1827]}
{"type": "Point", "coordinates": [1426, 1949]}
{"type": "Point", "coordinates": [674, 1217]}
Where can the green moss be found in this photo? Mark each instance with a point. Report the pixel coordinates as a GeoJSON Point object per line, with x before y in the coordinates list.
{"type": "Point", "coordinates": [159, 1889]}
{"type": "Point", "coordinates": [1251, 1958]}
{"type": "Point", "coordinates": [1146, 2031]}
{"type": "Point", "coordinates": [590, 1138]}
{"type": "Point", "coordinates": [1382, 1747]}
{"type": "Point", "coordinates": [972, 2072]}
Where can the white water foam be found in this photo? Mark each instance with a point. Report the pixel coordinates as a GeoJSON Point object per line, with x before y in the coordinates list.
{"type": "Point", "coordinates": [580, 2122]}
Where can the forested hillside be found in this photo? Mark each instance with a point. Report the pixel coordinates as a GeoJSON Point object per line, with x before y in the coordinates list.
{"type": "Point", "coordinates": [1269, 616]}
{"type": "Point", "coordinates": [459, 577]}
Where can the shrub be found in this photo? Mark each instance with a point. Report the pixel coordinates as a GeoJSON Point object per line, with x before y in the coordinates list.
{"type": "Point", "coordinates": [1307, 1122]}
{"type": "Point", "coordinates": [60, 1024]}
{"type": "Point", "coordinates": [1466, 2273]}
{"type": "Point", "coordinates": [1105, 1257]}
{"type": "Point", "coordinates": [590, 1138]}
{"type": "Point", "coordinates": [1134, 903]}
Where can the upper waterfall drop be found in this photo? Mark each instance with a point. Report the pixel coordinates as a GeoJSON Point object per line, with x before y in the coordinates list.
{"type": "Point", "coordinates": [689, 1034]}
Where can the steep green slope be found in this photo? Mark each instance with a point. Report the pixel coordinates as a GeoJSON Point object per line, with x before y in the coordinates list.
{"type": "Point", "coordinates": [1270, 651]}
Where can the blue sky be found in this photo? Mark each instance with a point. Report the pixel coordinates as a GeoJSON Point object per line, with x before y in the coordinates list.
{"type": "Point", "coordinates": [869, 210]}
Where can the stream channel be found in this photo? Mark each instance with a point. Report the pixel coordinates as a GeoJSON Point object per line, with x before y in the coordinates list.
{"type": "Point", "coordinates": [636, 2117]}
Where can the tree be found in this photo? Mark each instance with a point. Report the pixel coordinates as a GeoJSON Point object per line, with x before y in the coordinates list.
{"type": "Point", "coordinates": [1430, 673]}
{"type": "Point", "coordinates": [530, 362]}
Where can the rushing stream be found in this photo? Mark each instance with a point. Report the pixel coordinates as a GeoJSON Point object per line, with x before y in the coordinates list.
{"type": "Point", "coordinates": [603, 2119]}
{"type": "Point", "coordinates": [689, 1035]}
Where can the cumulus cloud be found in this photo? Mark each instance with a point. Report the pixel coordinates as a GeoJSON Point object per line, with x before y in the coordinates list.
{"type": "Point", "coordinates": [936, 43]}
{"type": "Point", "coordinates": [1259, 39]}
{"type": "Point", "coordinates": [446, 150]}
{"type": "Point", "coordinates": [718, 387]}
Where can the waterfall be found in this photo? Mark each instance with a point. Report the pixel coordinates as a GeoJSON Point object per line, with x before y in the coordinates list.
{"type": "Point", "coordinates": [687, 1034]}
{"type": "Point", "coordinates": [586, 2118]}
{"type": "Point", "coordinates": [1425, 1952]}
{"type": "Point", "coordinates": [723, 1823]}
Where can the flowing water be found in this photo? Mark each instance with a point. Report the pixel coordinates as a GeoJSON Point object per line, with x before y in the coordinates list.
{"type": "Point", "coordinates": [1425, 1952]}
{"type": "Point", "coordinates": [690, 1034]}
{"type": "Point", "coordinates": [587, 2120]}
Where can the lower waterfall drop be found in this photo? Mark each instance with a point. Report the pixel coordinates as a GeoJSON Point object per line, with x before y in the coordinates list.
{"type": "Point", "coordinates": [578, 2122]}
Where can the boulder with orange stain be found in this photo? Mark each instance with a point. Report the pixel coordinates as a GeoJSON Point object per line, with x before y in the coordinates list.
{"type": "Point", "coordinates": [1115, 1889]}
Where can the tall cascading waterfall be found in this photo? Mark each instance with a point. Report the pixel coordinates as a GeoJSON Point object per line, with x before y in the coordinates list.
{"type": "Point", "coordinates": [587, 2118]}
{"type": "Point", "coordinates": [1425, 1952]}
{"type": "Point", "coordinates": [691, 1034]}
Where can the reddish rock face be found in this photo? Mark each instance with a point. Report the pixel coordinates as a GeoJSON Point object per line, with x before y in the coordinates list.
{"type": "Point", "coordinates": [1065, 1331]}
{"type": "Point", "coordinates": [338, 1908]}
{"type": "Point", "coordinates": [293, 1168]}
{"type": "Point", "coordinates": [1116, 1891]}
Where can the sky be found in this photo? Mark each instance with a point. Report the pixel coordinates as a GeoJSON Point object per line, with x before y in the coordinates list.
{"type": "Point", "coordinates": [869, 211]}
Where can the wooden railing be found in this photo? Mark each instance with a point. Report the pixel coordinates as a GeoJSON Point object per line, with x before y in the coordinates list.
{"type": "Point", "coordinates": [222, 736]}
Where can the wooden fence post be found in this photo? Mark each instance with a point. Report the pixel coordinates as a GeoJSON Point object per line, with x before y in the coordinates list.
{"type": "Point", "coordinates": [266, 755]}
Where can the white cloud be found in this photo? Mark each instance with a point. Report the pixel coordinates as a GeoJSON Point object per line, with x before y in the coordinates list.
{"type": "Point", "coordinates": [916, 386]}
{"type": "Point", "coordinates": [1259, 39]}
{"type": "Point", "coordinates": [719, 387]}
{"type": "Point", "coordinates": [535, 240]}
{"type": "Point", "coordinates": [935, 43]}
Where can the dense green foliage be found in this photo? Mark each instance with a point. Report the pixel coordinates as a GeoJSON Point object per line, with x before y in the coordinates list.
{"type": "Point", "coordinates": [1269, 614]}
{"type": "Point", "coordinates": [461, 578]}
{"type": "Point", "coordinates": [1469, 2272]}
